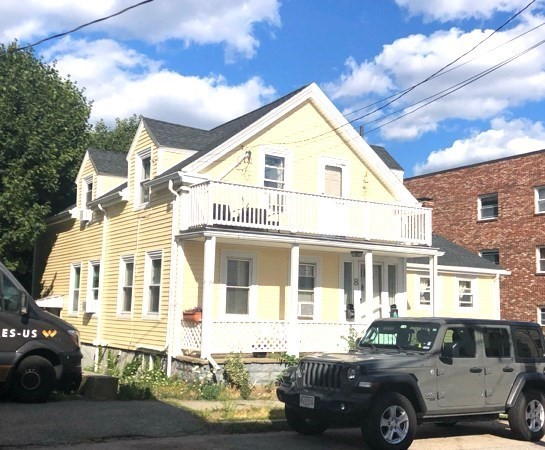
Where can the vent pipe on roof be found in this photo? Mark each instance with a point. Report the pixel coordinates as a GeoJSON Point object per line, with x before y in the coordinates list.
{"type": "Point", "coordinates": [361, 130]}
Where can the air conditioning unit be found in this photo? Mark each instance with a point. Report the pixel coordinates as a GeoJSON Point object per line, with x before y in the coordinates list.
{"type": "Point", "coordinates": [85, 215]}
{"type": "Point", "coordinates": [90, 306]}
{"type": "Point", "coordinates": [305, 310]}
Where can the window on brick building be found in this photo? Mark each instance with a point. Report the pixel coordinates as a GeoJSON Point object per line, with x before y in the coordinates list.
{"type": "Point", "coordinates": [488, 206]}
{"type": "Point", "coordinates": [491, 255]}
{"type": "Point", "coordinates": [540, 199]}
{"type": "Point", "coordinates": [540, 259]}
{"type": "Point", "coordinates": [541, 315]}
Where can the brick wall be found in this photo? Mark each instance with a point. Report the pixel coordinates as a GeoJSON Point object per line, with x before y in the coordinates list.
{"type": "Point", "coordinates": [515, 233]}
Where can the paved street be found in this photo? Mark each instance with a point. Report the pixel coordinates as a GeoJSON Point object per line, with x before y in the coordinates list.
{"type": "Point", "coordinates": [112, 425]}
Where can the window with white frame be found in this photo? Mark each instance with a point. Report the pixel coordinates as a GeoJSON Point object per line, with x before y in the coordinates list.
{"type": "Point", "coordinates": [153, 283]}
{"type": "Point", "coordinates": [541, 315]}
{"type": "Point", "coordinates": [126, 272]}
{"type": "Point", "coordinates": [75, 284]}
{"type": "Point", "coordinates": [488, 206]}
{"type": "Point", "coordinates": [87, 191]}
{"type": "Point", "coordinates": [424, 290]}
{"type": "Point", "coordinates": [465, 293]}
{"type": "Point", "coordinates": [94, 280]}
{"type": "Point", "coordinates": [333, 180]}
{"type": "Point", "coordinates": [237, 296]}
{"type": "Point", "coordinates": [142, 175]}
{"type": "Point", "coordinates": [491, 255]}
{"type": "Point", "coordinates": [540, 199]}
{"type": "Point", "coordinates": [274, 175]}
{"type": "Point", "coordinates": [540, 258]}
{"type": "Point", "coordinates": [306, 294]}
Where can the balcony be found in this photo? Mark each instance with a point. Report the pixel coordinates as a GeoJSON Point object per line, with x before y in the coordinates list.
{"type": "Point", "coordinates": [231, 205]}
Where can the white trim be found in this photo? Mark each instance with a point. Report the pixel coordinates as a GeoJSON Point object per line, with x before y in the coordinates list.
{"type": "Point", "coordinates": [460, 270]}
{"type": "Point", "coordinates": [473, 292]}
{"type": "Point", "coordinates": [418, 304]}
{"type": "Point", "coordinates": [344, 165]}
{"type": "Point", "coordinates": [71, 310]}
{"type": "Point", "coordinates": [479, 206]}
{"type": "Point", "coordinates": [253, 288]}
{"type": "Point", "coordinates": [150, 256]}
{"type": "Point", "coordinates": [536, 200]}
{"type": "Point", "coordinates": [123, 261]}
{"type": "Point", "coordinates": [280, 152]}
{"type": "Point", "coordinates": [138, 169]}
{"type": "Point", "coordinates": [539, 259]}
{"type": "Point", "coordinates": [317, 262]}
{"type": "Point", "coordinates": [92, 304]}
{"type": "Point", "coordinates": [539, 314]}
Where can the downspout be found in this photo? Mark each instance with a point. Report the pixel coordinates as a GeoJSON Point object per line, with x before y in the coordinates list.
{"type": "Point", "coordinates": [172, 296]}
{"type": "Point", "coordinates": [98, 339]}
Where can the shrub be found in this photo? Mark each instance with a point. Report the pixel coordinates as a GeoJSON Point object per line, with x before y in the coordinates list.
{"type": "Point", "coordinates": [237, 375]}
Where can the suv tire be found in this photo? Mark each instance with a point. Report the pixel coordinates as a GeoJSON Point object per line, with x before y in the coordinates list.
{"type": "Point", "coordinates": [34, 380]}
{"type": "Point", "coordinates": [391, 422]}
{"type": "Point", "coordinates": [527, 416]}
{"type": "Point", "coordinates": [303, 424]}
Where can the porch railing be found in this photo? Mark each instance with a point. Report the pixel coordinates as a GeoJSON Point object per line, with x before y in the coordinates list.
{"type": "Point", "coordinates": [227, 204]}
{"type": "Point", "coordinates": [270, 336]}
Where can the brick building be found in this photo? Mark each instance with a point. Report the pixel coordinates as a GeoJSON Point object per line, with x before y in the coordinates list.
{"type": "Point", "coordinates": [496, 209]}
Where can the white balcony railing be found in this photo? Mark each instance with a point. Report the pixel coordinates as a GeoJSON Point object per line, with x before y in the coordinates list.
{"type": "Point", "coordinates": [270, 336]}
{"type": "Point", "coordinates": [227, 204]}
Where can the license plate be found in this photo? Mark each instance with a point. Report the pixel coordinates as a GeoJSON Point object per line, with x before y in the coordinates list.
{"type": "Point", "coordinates": [306, 401]}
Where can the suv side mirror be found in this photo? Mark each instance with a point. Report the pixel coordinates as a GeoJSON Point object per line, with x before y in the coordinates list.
{"type": "Point", "coordinates": [24, 303]}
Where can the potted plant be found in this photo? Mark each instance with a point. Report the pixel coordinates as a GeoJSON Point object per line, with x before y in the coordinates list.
{"type": "Point", "coordinates": [193, 314]}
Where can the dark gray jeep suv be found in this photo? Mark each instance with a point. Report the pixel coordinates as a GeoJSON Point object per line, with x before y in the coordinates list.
{"type": "Point", "coordinates": [408, 371]}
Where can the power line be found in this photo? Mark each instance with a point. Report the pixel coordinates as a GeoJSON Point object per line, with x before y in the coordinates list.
{"type": "Point", "coordinates": [59, 35]}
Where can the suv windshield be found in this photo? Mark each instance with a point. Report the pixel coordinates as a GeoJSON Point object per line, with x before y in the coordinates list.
{"type": "Point", "coordinates": [401, 335]}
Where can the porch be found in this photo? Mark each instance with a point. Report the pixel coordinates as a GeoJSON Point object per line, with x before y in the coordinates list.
{"type": "Point", "coordinates": [214, 203]}
{"type": "Point", "coordinates": [269, 336]}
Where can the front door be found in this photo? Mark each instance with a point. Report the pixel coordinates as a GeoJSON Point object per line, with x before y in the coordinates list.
{"type": "Point", "coordinates": [460, 370]}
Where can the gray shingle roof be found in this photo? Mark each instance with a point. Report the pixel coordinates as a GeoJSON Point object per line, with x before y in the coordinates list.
{"type": "Point", "coordinates": [107, 162]}
{"type": "Point", "coordinates": [456, 256]}
{"type": "Point", "coordinates": [386, 157]}
{"type": "Point", "coordinates": [179, 136]}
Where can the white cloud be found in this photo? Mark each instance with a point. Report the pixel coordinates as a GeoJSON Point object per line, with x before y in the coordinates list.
{"type": "Point", "coordinates": [446, 10]}
{"type": "Point", "coordinates": [410, 60]}
{"type": "Point", "coordinates": [504, 138]}
{"type": "Point", "coordinates": [191, 21]}
{"type": "Point", "coordinates": [121, 82]}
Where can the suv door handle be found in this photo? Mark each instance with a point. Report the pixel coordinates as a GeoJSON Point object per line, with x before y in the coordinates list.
{"type": "Point", "coordinates": [508, 369]}
{"type": "Point", "coordinates": [476, 370]}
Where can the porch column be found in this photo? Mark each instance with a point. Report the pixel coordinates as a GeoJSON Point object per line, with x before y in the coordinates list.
{"type": "Point", "coordinates": [369, 287]}
{"type": "Point", "coordinates": [433, 285]}
{"type": "Point", "coordinates": [291, 319]}
{"type": "Point", "coordinates": [208, 295]}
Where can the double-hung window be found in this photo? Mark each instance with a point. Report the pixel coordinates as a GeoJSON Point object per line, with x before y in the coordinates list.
{"type": "Point", "coordinates": [488, 207]}
{"type": "Point", "coordinates": [94, 281]}
{"type": "Point", "coordinates": [424, 291]}
{"type": "Point", "coordinates": [541, 315]}
{"type": "Point", "coordinates": [306, 294]}
{"type": "Point", "coordinates": [75, 283]}
{"type": "Point", "coordinates": [491, 255]}
{"type": "Point", "coordinates": [465, 293]}
{"type": "Point", "coordinates": [540, 259]}
{"type": "Point", "coordinates": [126, 279]}
{"type": "Point", "coordinates": [87, 191]}
{"type": "Point", "coordinates": [142, 175]}
{"type": "Point", "coordinates": [237, 300]}
{"type": "Point", "coordinates": [153, 288]}
{"type": "Point", "coordinates": [540, 199]}
{"type": "Point", "coordinates": [274, 176]}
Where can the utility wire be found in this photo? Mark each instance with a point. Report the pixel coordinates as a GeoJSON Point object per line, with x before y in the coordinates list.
{"type": "Point", "coordinates": [59, 35]}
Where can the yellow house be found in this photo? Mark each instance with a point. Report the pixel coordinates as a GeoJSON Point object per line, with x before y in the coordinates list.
{"type": "Point", "coordinates": [283, 226]}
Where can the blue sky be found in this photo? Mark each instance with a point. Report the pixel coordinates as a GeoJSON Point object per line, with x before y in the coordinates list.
{"type": "Point", "coordinates": [203, 62]}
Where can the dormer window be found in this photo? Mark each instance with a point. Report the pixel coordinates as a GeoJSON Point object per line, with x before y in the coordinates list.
{"type": "Point", "coordinates": [87, 191]}
{"type": "Point", "coordinates": [143, 174]}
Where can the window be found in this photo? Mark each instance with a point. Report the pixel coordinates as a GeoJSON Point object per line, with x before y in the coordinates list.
{"type": "Point", "coordinates": [540, 199]}
{"type": "Point", "coordinates": [333, 181]}
{"type": "Point", "coordinates": [238, 286]}
{"type": "Point", "coordinates": [465, 293]}
{"type": "Point", "coordinates": [10, 296]}
{"type": "Point", "coordinates": [459, 342]}
{"type": "Point", "coordinates": [126, 274]}
{"type": "Point", "coordinates": [541, 315]}
{"type": "Point", "coordinates": [527, 342]}
{"type": "Point", "coordinates": [540, 256]}
{"type": "Point", "coordinates": [153, 282]}
{"type": "Point", "coordinates": [87, 190]}
{"type": "Point", "coordinates": [94, 278]}
{"type": "Point", "coordinates": [488, 207]}
{"type": "Point", "coordinates": [496, 343]}
{"type": "Point", "coordinates": [491, 255]}
{"type": "Point", "coordinates": [75, 283]}
{"type": "Point", "coordinates": [307, 283]}
{"type": "Point", "coordinates": [424, 291]}
{"type": "Point", "coordinates": [141, 176]}
{"type": "Point", "coordinates": [274, 176]}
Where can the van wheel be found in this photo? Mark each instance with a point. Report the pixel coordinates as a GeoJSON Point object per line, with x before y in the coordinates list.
{"type": "Point", "coordinates": [302, 424]}
{"type": "Point", "coordinates": [527, 417]}
{"type": "Point", "coordinates": [34, 380]}
{"type": "Point", "coordinates": [391, 422]}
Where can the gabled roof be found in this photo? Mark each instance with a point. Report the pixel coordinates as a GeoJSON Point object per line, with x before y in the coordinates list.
{"type": "Point", "coordinates": [172, 135]}
{"type": "Point", "coordinates": [107, 162]}
{"type": "Point", "coordinates": [456, 256]}
{"type": "Point", "coordinates": [386, 157]}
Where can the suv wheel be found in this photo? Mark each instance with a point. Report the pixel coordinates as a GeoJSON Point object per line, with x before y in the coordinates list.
{"type": "Point", "coordinates": [527, 417]}
{"type": "Point", "coordinates": [303, 424]}
{"type": "Point", "coordinates": [391, 423]}
{"type": "Point", "coordinates": [34, 380]}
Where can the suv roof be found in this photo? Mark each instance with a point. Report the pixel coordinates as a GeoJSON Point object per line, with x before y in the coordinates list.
{"type": "Point", "coordinates": [457, 320]}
